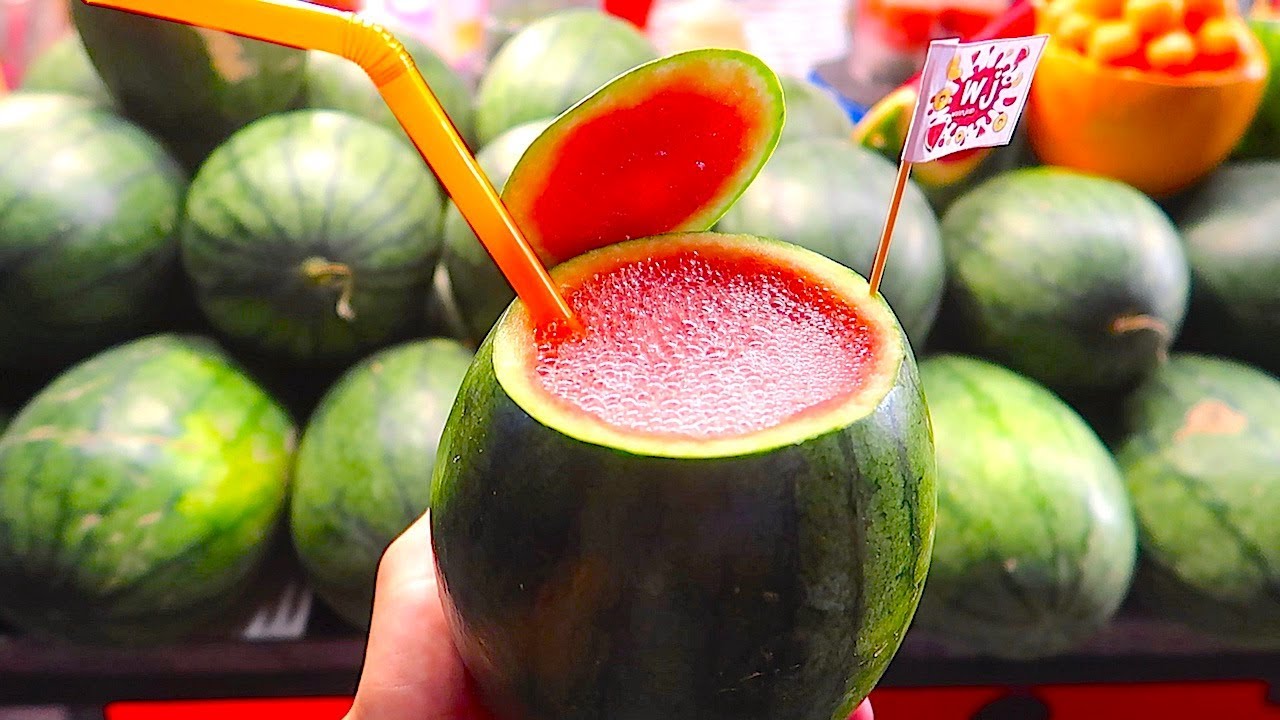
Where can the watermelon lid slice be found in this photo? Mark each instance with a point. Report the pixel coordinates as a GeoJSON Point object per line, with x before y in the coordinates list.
{"type": "Point", "coordinates": [665, 147]}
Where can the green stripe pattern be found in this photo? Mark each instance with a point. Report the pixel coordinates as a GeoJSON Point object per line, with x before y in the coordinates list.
{"type": "Point", "coordinates": [553, 63]}
{"type": "Point", "coordinates": [1036, 542]}
{"type": "Point", "coordinates": [1041, 262]}
{"type": "Point", "coordinates": [138, 491]}
{"type": "Point", "coordinates": [1202, 462]}
{"type": "Point", "coordinates": [303, 186]}
{"type": "Point", "coordinates": [364, 466]}
{"type": "Point", "coordinates": [89, 207]}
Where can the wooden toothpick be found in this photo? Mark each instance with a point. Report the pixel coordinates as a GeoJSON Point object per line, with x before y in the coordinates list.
{"type": "Point", "coordinates": [882, 252]}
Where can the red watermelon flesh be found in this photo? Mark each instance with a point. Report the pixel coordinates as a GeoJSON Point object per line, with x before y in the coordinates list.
{"type": "Point", "coordinates": [666, 147]}
{"type": "Point", "coordinates": [698, 345]}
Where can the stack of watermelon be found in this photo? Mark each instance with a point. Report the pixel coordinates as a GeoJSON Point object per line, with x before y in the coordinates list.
{"type": "Point", "coordinates": [237, 306]}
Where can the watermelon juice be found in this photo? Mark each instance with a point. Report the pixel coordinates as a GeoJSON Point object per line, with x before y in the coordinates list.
{"type": "Point", "coordinates": [715, 501]}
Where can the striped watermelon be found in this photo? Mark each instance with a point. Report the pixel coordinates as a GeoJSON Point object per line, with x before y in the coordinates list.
{"type": "Point", "coordinates": [1036, 543]}
{"type": "Point", "coordinates": [553, 63]}
{"type": "Point", "coordinates": [313, 235]}
{"type": "Point", "coordinates": [812, 112]}
{"type": "Point", "coordinates": [479, 289]}
{"type": "Point", "coordinates": [830, 196]}
{"type": "Point", "coordinates": [1078, 282]}
{"type": "Point", "coordinates": [336, 83]}
{"type": "Point", "coordinates": [364, 466]}
{"type": "Point", "coordinates": [1202, 461]}
{"type": "Point", "coordinates": [191, 86]}
{"type": "Point", "coordinates": [64, 67]}
{"type": "Point", "coordinates": [1231, 227]}
{"type": "Point", "coordinates": [138, 492]}
{"type": "Point", "coordinates": [89, 208]}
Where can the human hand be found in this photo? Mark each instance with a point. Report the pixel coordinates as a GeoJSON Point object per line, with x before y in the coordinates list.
{"type": "Point", "coordinates": [411, 669]}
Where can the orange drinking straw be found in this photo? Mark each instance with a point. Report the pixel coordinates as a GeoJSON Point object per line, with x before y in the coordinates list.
{"type": "Point", "coordinates": [312, 27]}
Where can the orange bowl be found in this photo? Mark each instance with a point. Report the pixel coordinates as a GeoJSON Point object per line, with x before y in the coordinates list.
{"type": "Point", "coordinates": [1159, 134]}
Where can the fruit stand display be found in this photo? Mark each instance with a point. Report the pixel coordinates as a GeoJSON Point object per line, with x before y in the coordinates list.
{"type": "Point", "coordinates": [237, 311]}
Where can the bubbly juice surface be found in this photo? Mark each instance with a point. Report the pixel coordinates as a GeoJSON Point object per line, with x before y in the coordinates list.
{"type": "Point", "coordinates": [697, 346]}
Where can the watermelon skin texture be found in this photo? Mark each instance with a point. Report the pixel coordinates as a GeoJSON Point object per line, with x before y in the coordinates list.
{"type": "Point", "coordinates": [480, 290]}
{"type": "Point", "coordinates": [1078, 282]}
{"type": "Point", "coordinates": [1231, 227]}
{"type": "Point", "coordinates": [336, 83]}
{"type": "Point", "coordinates": [360, 479]}
{"type": "Point", "coordinates": [138, 492]}
{"type": "Point", "coordinates": [64, 67]}
{"type": "Point", "coordinates": [812, 112]}
{"type": "Point", "coordinates": [553, 63]}
{"type": "Point", "coordinates": [830, 196]}
{"type": "Point", "coordinates": [296, 191]}
{"type": "Point", "coordinates": [772, 592]}
{"type": "Point", "coordinates": [88, 244]}
{"type": "Point", "coordinates": [191, 86]}
{"type": "Point", "coordinates": [1202, 462]}
{"type": "Point", "coordinates": [1036, 541]}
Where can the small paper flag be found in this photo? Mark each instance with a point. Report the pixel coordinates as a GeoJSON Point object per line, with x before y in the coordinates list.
{"type": "Point", "coordinates": [971, 95]}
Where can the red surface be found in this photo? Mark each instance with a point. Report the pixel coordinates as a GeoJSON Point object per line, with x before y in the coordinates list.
{"type": "Point", "coordinates": [637, 11]}
{"type": "Point", "coordinates": [1236, 700]}
{"type": "Point", "coordinates": [1233, 700]}
{"type": "Point", "coordinates": [653, 164]}
{"type": "Point", "coordinates": [698, 346]}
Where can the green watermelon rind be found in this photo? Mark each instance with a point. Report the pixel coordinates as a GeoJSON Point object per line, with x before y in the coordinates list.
{"type": "Point", "coordinates": [552, 64]}
{"type": "Point", "coordinates": [89, 245]}
{"type": "Point", "coordinates": [64, 67]}
{"type": "Point", "coordinates": [1076, 281]}
{"type": "Point", "coordinates": [363, 468]}
{"type": "Point", "coordinates": [1036, 541]}
{"type": "Point", "coordinates": [138, 492]}
{"type": "Point", "coordinates": [303, 185]}
{"type": "Point", "coordinates": [1200, 459]}
{"type": "Point", "coordinates": [507, 481]}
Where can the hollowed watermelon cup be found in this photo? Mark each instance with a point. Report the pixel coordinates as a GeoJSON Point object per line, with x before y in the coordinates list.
{"type": "Point", "coordinates": [717, 499]}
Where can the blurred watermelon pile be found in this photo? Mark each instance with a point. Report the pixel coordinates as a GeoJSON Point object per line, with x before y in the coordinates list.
{"type": "Point", "coordinates": [235, 308]}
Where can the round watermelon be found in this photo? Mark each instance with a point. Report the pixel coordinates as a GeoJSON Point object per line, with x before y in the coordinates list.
{"type": "Point", "coordinates": [1202, 461]}
{"type": "Point", "coordinates": [1231, 226]}
{"type": "Point", "coordinates": [1036, 542]}
{"type": "Point", "coordinates": [676, 513]}
{"type": "Point", "coordinates": [478, 287]}
{"type": "Point", "coordinates": [812, 112]}
{"type": "Point", "coordinates": [364, 466]}
{"type": "Point", "coordinates": [1077, 281]}
{"type": "Point", "coordinates": [336, 83]}
{"type": "Point", "coordinates": [89, 209]}
{"type": "Point", "coordinates": [313, 235]}
{"type": "Point", "coordinates": [553, 63]}
{"type": "Point", "coordinates": [138, 492]}
{"type": "Point", "coordinates": [831, 196]}
{"type": "Point", "coordinates": [64, 67]}
{"type": "Point", "coordinates": [189, 85]}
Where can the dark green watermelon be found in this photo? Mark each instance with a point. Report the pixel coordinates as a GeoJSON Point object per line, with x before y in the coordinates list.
{"type": "Point", "coordinates": [364, 466]}
{"type": "Point", "coordinates": [191, 86]}
{"type": "Point", "coordinates": [336, 83]}
{"type": "Point", "coordinates": [1078, 282]}
{"type": "Point", "coordinates": [812, 112]}
{"type": "Point", "coordinates": [553, 63]}
{"type": "Point", "coordinates": [64, 67]}
{"type": "Point", "coordinates": [89, 209]}
{"type": "Point", "coordinates": [478, 288]}
{"type": "Point", "coordinates": [313, 235]}
{"type": "Point", "coordinates": [1202, 461]}
{"type": "Point", "coordinates": [1231, 226]}
{"type": "Point", "coordinates": [1036, 543]}
{"type": "Point", "coordinates": [596, 571]}
{"type": "Point", "coordinates": [830, 196]}
{"type": "Point", "coordinates": [1262, 140]}
{"type": "Point", "coordinates": [138, 492]}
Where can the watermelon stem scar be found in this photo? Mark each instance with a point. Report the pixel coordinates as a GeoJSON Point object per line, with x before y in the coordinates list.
{"type": "Point", "coordinates": [336, 275]}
